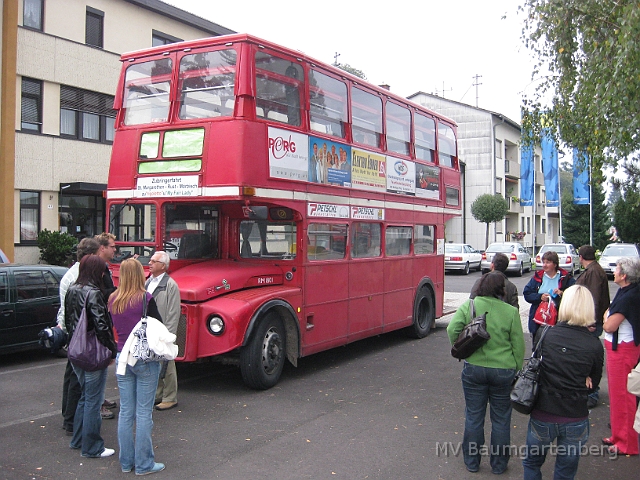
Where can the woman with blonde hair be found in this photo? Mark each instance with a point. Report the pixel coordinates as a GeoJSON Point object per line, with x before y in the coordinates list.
{"type": "Point", "coordinates": [138, 384]}
{"type": "Point", "coordinates": [571, 365]}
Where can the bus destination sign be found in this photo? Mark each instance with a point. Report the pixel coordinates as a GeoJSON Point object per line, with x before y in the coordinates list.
{"type": "Point", "coordinates": [177, 186]}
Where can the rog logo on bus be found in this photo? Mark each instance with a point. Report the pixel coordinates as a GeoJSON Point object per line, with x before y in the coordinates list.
{"type": "Point", "coordinates": [280, 147]}
{"type": "Point", "coordinates": [401, 168]}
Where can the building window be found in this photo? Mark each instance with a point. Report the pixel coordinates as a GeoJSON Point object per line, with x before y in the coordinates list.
{"type": "Point", "coordinates": [159, 38]}
{"type": "Point", "coordinates": [94, 28]}
{"type": "Point", "coordinates": [544, 225]}
{"type": "Point", "coordinates": [32, 14]}
{"type": "Point", "coordinates": [31, 101]}
{"type": "Point", "coordinates": [498, 148]}
{"type": "Point", "coordinates": [86, 115]}
{"type": "Point", "coordinates": [29, 217]}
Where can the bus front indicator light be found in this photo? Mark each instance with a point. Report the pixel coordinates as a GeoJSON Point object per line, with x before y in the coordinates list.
{"type": "Point", "coordinates": [216, 325]}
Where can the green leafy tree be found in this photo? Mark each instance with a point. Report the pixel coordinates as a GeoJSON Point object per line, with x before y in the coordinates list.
{"type": "Point", "coordinates": [588, 69]}
{"type": "Point", "coordinates": [352, 70]}
{"type": "Point", "coordinates": [56, 248]}
{"type": "Point", "coordinates": [488, 209]}
{"type": "Point", "coordinates": [626, 212]}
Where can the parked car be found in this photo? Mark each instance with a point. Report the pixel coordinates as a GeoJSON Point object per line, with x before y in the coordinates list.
{"type": "Point", "coordinates": [3, 257]}
{"type": "Point", "coordinates": [519, 258]}
{"type": "Point", "coordinates": [613, 252]}
{"type": "Point", "coordinates": [29, 302]}
{"type": "Point", "coordinates": [567, 255]}
{"type": "Point", "coordinates": [460, 256]}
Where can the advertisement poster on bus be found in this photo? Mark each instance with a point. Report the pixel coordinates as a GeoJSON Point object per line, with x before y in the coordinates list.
{"type": "Point", "coordinates": [401, 176]}
{"type": "Point", "coordinates": [288, 155]}
{"type": "Point", "coordinates": [427, 182]}
{"type": "Point", "coordinates": [368, 171]}
{"type": "Point", "coordinates": [329, 162]}
{"type": "Point", "coordinates": [327, 210]}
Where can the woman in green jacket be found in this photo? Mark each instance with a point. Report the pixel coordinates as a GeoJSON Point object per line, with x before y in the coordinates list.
{"type": "Point", "coordinates": [488, 373]}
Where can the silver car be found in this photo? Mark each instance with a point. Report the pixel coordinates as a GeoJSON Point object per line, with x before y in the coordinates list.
{"type": "Point", "coordinates": [460, 256]}
{"type": "Point", "coordinates": [613, 252]}
{"type": "Point", "coordinates": [567, 255]}
{"type": "Point", "coordinates": [519, 258]}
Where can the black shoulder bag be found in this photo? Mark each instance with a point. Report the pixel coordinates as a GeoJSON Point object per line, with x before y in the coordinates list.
{"type": "Point", "coordinates": [524, 391]}
{"type": "Point", "coordinates": [473, 336]}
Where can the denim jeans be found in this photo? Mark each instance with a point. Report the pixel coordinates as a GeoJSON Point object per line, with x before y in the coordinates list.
{"type": "Point", "coordinates": [87, 420]}
{"type": "Point", "coordinates": [570, 438]}
{"type": "Point", "coordinates": [482, 385]}
{"type": "Point", "coordinates": [137, 394]}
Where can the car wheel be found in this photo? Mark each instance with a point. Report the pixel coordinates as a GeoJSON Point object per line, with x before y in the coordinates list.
{"type": "Point", "coordinates": [466, 269]}
{"type": "Point", "coordinates": [262, 359]}
{"type": "Point", "coordinates": [520, 270]}
{"type": "Point", "coordinates": [424, 314]}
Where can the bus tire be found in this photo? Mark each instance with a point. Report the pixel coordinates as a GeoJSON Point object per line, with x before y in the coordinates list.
{"type": "Point", "coordinates": [262, 359]}
{"type": "Point", "coordinates": [424, 315]}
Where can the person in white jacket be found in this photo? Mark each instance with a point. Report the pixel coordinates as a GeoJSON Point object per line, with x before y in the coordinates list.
{"type": "Point", "coordinates": [137, 381]}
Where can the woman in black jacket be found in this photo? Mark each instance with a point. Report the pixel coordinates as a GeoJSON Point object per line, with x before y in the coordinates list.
{"type": "Point", "coordinates": [87, 420]}
{"type": "Point", "coordinates": [572, 361]}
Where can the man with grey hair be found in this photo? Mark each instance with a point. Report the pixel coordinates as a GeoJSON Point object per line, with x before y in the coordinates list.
{"type": "Point", "coordinates": [71, 390]}
{"type": "Point", "coordinates": [167, 296]}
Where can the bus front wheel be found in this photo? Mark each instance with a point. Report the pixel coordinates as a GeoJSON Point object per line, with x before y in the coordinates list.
{"type": "Point", "coordinates": [262, 359]}
{"type": "Point", "coordinates": [424, 315]}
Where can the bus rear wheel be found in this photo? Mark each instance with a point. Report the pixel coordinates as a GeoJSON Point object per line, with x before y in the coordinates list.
{"type": "Point", "coordinates": [262, 359]}
{"type": "Point", "coordinates": [424, 315]}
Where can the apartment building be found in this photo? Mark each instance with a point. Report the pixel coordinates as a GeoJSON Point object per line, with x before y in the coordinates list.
{"type": "Point", "coordinates": [66, 71]}
{"type": "Point", "coordinates": [489, 145]}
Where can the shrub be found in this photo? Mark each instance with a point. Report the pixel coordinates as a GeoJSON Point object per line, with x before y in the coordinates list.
{"type": "Point", "coordinates": [56, 248]}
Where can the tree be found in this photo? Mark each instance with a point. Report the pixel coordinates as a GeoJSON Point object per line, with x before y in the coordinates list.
{"type": "Point", "coordinates": [588, 61]}
{"type": "Point", "coordinates": [352, 70]}
{"type": "Point", "coordinates": [625, 217]}
{"type": "Point", "coordinates": [489, 208]}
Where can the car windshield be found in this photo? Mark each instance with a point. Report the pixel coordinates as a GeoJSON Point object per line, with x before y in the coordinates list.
{"type": "Point", "coordinates": [499, 248]}
{"type": "Point", "coordinates": [620, 251]}
{"type": "Point", "coordinates": [453, 248]}
{"type": "Point", "coordinates": [554, 248]}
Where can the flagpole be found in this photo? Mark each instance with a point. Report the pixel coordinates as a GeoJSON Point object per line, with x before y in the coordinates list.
{"type": "Point", "coordinates": [590, 204]}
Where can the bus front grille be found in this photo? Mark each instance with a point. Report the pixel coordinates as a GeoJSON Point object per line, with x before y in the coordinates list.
{"type": "Point", "coordinates": [181, 334]}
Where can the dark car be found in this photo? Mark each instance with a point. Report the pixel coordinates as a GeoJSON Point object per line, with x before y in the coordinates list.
{"type": "Point", "coordinates": [29, 302]}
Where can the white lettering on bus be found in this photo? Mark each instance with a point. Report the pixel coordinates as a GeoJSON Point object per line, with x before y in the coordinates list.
{"type": "Point", "coordinates": [280, 147]}
{"type": "Point", "coordinates": [265, 280]}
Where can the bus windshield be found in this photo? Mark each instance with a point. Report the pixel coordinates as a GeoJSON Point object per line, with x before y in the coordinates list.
{"type": "Point", "coordinates": [191, 231]}
{"type": "Point", "coordinates": [147, 90]}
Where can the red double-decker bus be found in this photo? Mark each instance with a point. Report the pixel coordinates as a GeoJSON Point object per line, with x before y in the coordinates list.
{"type": "Point", "coordinates": [302, 207]}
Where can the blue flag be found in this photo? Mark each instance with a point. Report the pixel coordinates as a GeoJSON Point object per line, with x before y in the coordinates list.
{"type": "Point", "coordinates": [526, 175]}
{"type": "Point", "coordinates": [550, 168]}
{"type": "Point", "coordinates": [581, 194]}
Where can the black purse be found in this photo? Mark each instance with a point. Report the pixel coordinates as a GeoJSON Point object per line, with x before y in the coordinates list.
{"type": "Point", "coordinates": [524, 391]}
{"type": "Point", "coordinates": [473, 335]}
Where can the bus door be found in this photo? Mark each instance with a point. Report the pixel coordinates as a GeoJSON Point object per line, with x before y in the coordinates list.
{"type": "Point", "coordinates": [366, 281]}
{"type": "Point", "coordinates": [399, 285]}
{"type": "Point", "coordinates": [326, 287]}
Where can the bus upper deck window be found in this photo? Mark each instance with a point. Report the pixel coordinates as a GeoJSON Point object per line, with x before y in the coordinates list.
{"type": "Point", "coordinates": [147, 89]}
{"type": "Point", "coordinates": [279, 84]}
{"type": "Point", "coordinates": [366, 110]}
{"type": "Point", "coordinates": [207, 81]}
{"type": "Point", "coordinates": [446, 145]}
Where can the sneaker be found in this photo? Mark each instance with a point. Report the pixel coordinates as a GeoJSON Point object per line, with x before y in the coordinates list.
{"type": "Point", "coordinates": [157, 467]}
{"type": "Point", "coordinates": [106, 414]}
{"type": "Point", "coordinates": [107, 452]}
{"type": "Point", "coordinates": [109, 405]}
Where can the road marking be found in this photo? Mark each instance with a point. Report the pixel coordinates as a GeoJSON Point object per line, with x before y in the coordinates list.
{"type": "Point", "coordinates": [18, 370]}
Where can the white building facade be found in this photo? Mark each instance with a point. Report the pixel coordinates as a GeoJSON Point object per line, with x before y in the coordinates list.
{"type": "Point", "coordinates": [489, 146]}
{"type": "Point", "coordinates": [67, 69]}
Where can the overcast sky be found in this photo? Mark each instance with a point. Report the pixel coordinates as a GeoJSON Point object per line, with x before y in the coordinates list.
{"type": "Point", "coordinates": [412, 46]}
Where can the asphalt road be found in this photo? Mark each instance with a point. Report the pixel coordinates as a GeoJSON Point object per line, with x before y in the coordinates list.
{"type": "Point", "coordinates": [383, 408]}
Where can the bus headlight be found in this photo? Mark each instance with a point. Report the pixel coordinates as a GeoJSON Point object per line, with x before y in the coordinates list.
{"type": "Point", "coordinates": [216, 325]}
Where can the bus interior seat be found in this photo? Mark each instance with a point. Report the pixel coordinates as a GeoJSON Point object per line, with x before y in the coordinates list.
{"type": "Point", "coordinates": [194, 245]}
{"type": "Point", "coordinates": [280, 117]}
{"type": "Point", "coordinates": [260, 112]}
{"type": "Point", "coordinates": [319, 127]}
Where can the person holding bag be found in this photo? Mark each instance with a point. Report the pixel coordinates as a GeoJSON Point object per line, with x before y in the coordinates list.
{"type": "Point", "coordinates": [138, 382]}
{"type": "Point", "coordinates": [571, 364]}
{"type": "Point", "coordinates": [546, 285]}
{"type": "Point", "coordinates": [622, 342]}
{"type": "Point", "coordinates": [488, 373]}
{"type": "Point", "coordinates": [85, 299]}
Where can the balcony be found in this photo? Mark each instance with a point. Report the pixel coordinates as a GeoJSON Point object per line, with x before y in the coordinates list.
{"type": "Point", "coordinates": [514, 205]}
{"type": "Point", "coordinates": [511, 169]}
